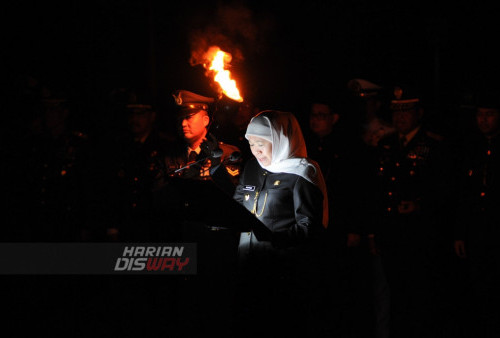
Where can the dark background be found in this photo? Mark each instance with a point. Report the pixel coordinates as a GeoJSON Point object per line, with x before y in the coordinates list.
{"type": "Point", "coordinates": [282, 51]}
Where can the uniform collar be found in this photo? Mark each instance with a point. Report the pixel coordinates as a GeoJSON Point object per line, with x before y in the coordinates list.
{"type": "Point", "coordinates": [197, 150]}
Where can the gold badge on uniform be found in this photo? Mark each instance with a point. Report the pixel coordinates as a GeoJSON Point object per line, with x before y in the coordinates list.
{"type": "Point", "coordinates": [277, 182]}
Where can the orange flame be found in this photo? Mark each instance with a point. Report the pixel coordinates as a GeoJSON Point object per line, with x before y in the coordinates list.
{"type": "Point", "coordinates": [218, 60]}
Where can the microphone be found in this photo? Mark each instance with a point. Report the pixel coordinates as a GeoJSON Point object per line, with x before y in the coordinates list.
{"type": "Point", "coordinates": [216, 153]}
{"type": "Point", "coordinates": [235, 156]}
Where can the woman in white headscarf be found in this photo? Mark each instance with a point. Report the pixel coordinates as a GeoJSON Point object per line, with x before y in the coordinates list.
{"type": "Point", "coordinates": [282, 187]}
{"type": "Point", "coordinates": [285, 191]}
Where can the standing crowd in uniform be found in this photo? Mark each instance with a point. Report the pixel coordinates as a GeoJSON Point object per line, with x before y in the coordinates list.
{"type": "Point", "coordinates": [352, 217]}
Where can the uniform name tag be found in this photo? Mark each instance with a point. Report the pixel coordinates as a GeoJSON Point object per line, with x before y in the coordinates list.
{"type": "Point", "coordinates": [249, 188]}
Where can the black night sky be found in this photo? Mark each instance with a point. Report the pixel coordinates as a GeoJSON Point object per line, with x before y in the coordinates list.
{"type": "Point", "coordinates": [282, 52]}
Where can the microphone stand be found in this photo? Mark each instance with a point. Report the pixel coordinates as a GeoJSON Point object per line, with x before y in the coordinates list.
{"type": "Point", "coordinates": [214, 154]}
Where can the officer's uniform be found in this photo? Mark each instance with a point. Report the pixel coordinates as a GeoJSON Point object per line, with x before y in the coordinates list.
{"type": "Point", "coordinates": [136, 175]}
{"type": "Point", "coordinates": [179, 162]}
{"type": "Point", "coordinates": [280, 255]}
{"type": "Point", "coordinates": [57, 180]}
{"type": "Point", "coordinates": [192, 190]}
{"type": "Point", "coordinates": [408, 171]}
{"type": "Point", "coordinates": [477, 224]}
{"type": "Point", "coordinates": [369, 98]}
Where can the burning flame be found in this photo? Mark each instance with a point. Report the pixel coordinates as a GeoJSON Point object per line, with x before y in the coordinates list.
{"type": "Point", "coordinates": [217, 62]}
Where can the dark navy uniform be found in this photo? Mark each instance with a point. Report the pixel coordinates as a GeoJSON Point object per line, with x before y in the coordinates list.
{"type": "Point", "coordinates": [57, 186]}
{"type": "Point", "coordinates": [411, 201]}
{"type": "Point", "coordinates": [178, 163]}
{"type": "Point", "coordinates": [478, 225]}
{"type": "Point", "coordinates": [268, 196]}
{"type": "Point", "coordinates": [136, 175]}
{"type": "Point", "coordinates": [280, 256]}
{"type": "Point", "coordinates": [407, 173]}
{"type": "Point", "coordinates": [480, 185]}
{"type": "Point", "coordinates": [279, 262]}
{"type": "Point", "coordinates": [192, 187]}
{"type": "Point", "coordinates": [410, 196]}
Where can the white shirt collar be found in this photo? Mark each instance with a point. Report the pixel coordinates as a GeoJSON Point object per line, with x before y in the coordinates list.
{"type": "Point", "coordinates": [197, 150]}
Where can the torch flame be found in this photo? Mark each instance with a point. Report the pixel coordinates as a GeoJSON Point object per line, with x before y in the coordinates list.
{"type": "Point", "coordinates": [218, 60]}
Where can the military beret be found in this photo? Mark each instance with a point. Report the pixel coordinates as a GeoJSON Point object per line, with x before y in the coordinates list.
{"type": "Point", "coordinates": [188, 101]}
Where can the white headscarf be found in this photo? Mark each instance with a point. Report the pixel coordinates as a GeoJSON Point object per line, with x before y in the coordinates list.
{"type": "Point", "coordinates": [289, 153]}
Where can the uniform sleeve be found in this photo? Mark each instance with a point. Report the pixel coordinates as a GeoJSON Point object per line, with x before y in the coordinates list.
{"type": "Point", "coordinates": [308, 206]}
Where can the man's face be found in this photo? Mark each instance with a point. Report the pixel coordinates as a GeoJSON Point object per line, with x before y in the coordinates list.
{"type": "Point", "coordinates": [321, 119]}
{"type": "Point", "coordinates": [141, 122]}
{"type": "Point", "coordinates": [194, 126]}
{"type": "Point", "coordinates": [406, 120]}
{"type": "Point", "coordinates": [488, 120]}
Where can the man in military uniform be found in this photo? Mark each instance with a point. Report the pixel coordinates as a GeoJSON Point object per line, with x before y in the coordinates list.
{"type": "Point", "coordinates": [136, 170]}
{"type": "Point", "coordinates": [410, 188]}
{"type": "Point", "coordinates": [477, 222]}
{"type": "Point", "coordinates": [198, 155]}
{"type": "Point", "coordinates": [368, 115]}
{"type": "Point", "coordinates": [56, 179]}
{"type": "Point", "coordinates": [370, 112]}
{"type": "Point", "coordinates": [337, 152]}
{"type": "Point", "coordinates": [198, 170]}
